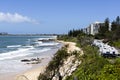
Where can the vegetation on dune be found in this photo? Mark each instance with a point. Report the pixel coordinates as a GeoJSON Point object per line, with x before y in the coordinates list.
{"type": "Point", "coordinates": [93, 66]}
{"type": "Point", "coordinates": [54, 65]}
{"type": "Point", "coordinates": [115, 43]}
{"type": "Point", "coordinates": [67, 38]}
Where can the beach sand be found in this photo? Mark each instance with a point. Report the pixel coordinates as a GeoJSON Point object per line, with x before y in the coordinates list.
{"type": "Point", "coordinates": [33, 73]}
{"type": "Point", "coordinates": [8, 76]}
{"type": "Point", "coordinates": [71, 46]}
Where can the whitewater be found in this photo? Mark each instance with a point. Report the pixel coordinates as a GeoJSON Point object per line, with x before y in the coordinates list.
{"type": "Point", "coordinates": [15, 48]}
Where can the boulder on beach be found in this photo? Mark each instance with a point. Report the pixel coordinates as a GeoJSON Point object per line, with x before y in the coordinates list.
{"type": "Point", "coordinates": [25, 60]}
{"type": "Point", "coordinates": [32, 61]}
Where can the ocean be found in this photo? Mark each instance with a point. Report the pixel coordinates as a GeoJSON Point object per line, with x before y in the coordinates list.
{"type": "Point", "coordinates": [15, 48]}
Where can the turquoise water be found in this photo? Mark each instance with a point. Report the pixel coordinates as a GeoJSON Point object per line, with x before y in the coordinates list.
{"type": "Point", "coordinates": [9, 43]}
{"type": "Point", "coordinates": [15, 48]}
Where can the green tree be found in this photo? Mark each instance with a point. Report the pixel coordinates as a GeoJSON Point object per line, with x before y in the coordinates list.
{"type": "Point", "coordinates": [70, 33]}
{"type": "Point", "coordinates": [116, 29]}
{"type": "Point", "coordinates": [118, 20]}
{"type": "Point", "coordinates": [107, 22]}
{"type": "Point", "coordinates": [75, 33]}
{"type": "Point", "coordinates": [113, 26]}
{"type": "Point", "coordinates": [104, 29]}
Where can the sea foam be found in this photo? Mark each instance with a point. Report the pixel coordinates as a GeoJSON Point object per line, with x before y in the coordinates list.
{"type": "Point", "coordinates": [13, 54]}
{"type": "Point", "coordinates": [14, 46]}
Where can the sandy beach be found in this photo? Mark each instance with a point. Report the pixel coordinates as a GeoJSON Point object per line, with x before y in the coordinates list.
{"type": "Point", "coordinates": [33, 73]}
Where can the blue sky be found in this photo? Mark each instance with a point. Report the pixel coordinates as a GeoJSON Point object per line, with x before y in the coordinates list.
{"type": "Point", "coordinates": [54, 16]}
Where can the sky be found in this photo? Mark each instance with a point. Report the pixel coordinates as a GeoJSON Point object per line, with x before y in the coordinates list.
{"type": "Point", "coordinates": [53, 16]}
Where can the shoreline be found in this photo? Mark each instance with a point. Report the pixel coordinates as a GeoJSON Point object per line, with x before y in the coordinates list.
{"type": "Point", "coordinates": [37, 69]}
{"type": "Point", "coordinates": [69, 64]}
{"type": "Point", "coordinates": [33, 73]}
{"type": "Point", "coordinates": [34, 67]}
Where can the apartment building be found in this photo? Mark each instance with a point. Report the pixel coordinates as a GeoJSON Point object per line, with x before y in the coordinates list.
{"type": "Point", "coordinates": [93, 28]}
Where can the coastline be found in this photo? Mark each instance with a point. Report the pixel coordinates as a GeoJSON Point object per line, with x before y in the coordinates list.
{"type": "Point", "coordinates": [35, 68]}
{"type": "Point", "coordinates": [33, 73]}
{"type": "Point", "coordinates": [68, 55]}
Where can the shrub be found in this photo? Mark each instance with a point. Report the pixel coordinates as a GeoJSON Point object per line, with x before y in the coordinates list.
{"type": "Point", "coordinates": [54, 65]}
{"type": "Point", "coordinates": [91, 65]}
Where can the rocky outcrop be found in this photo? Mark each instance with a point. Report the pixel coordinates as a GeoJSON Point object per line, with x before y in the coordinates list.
{"type": "Point", "coordinates": [69, 66]}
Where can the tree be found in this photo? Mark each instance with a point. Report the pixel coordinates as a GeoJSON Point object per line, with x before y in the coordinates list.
{"type": "Point", "coordinates": [70, 33]}
{"type": "Point", "coordinates": [107, 22]}
{"type": "Point", "coordinates": [104, 29]}
{"type": "Point", "coordinates": [116, 29]}
{"type": "Point", "coordinates": [113, 26]}
{"type": "Point", "coordinates": [118, 20]}
{"type": "Point", "coordinates": [75, 33]}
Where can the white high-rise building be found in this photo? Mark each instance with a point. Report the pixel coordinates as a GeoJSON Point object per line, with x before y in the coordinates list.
{"type": "Point", "coordinates": [94, 27]}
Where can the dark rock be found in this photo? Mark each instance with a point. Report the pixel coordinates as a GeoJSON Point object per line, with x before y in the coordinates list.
{"type": "Point", "coordinates": [25, 60]}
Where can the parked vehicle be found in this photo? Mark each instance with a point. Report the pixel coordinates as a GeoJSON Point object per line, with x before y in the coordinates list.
{"type": "Point", "coordinates": [105, 49]}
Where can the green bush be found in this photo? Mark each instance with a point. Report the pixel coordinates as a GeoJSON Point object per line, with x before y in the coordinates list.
{"type": "Point", "coordinates": [115, 43]}
{"type": "Point", "coordinates": [54, 65]}
{"type": "Point", "coordinates": [110, 72]}
{"type": "Point", "coordinates": [91, 65]}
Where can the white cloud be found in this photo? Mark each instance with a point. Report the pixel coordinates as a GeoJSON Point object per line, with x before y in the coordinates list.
{"type": "Point", "coordinates": [15, 18]}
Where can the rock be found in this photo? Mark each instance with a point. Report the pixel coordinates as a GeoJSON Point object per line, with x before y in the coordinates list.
{"type": "Point", "coordinates": [25, 60]}
{"type": "Point", "coordinates": [56, 77]}
{"type": "Point", "coordinates": [35, 59]}
{"type": "Point", "coordinates": [32, 61]}
{"type": "Point", "coordinates": [69, 66]}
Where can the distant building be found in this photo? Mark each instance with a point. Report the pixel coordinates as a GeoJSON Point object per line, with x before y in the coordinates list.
{"type": "Point", "coordinates": [93, 28]}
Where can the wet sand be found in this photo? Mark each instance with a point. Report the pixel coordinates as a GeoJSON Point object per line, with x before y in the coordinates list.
{"type": "Point", "coordinates": [33, 72]}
